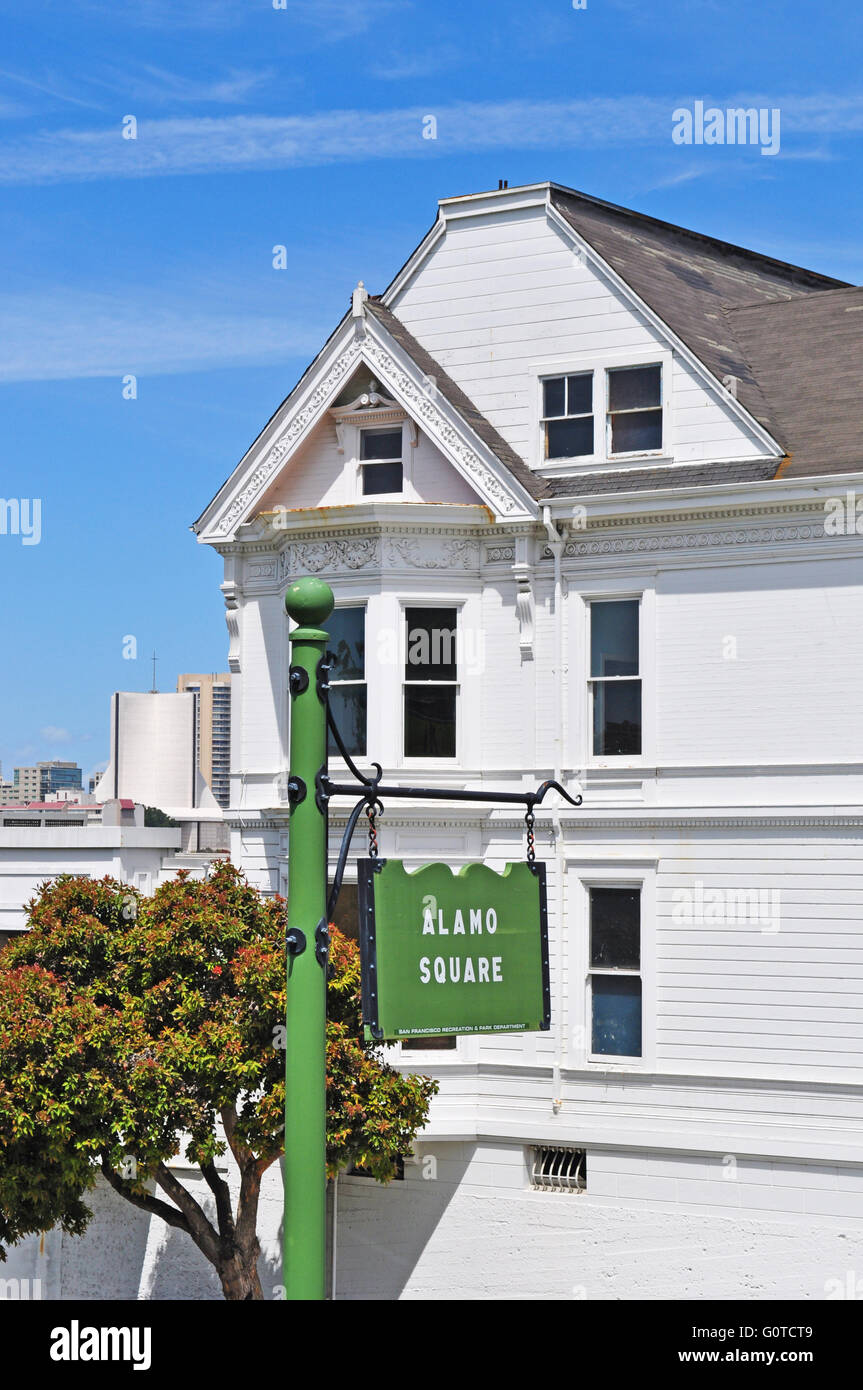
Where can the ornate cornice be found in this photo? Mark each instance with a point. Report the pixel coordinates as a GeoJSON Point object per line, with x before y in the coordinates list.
{"type": "Point", "coordinates": [682, 540]}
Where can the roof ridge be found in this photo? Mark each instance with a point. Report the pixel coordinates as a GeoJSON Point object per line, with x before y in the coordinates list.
{"type": "Point", "coordinates": [698, 236]}
{"type": "Point", "coordinates": [788, 299]}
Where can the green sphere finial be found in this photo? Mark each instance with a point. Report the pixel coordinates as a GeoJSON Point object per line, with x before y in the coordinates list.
{"type": "Point", "coordinates": [309, 601]}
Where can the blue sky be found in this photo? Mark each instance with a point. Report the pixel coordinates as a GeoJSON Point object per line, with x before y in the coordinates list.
{"type": "Point", "coordinates": [302, 126]}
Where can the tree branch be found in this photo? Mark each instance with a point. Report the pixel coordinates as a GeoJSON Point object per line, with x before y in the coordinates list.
{"type": "Point", "coordinates": [229, 1122]}
{"type": "Point", "coordinates": [222, 1194]}
{"type": "Point", "coordinates": [202, 1233]}
{"type": "Point", "coordinates": [146, 1202]}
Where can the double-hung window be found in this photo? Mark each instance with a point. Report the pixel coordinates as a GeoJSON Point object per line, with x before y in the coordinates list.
{"type": "Point", "coordinates": [615, 683]}
{"type": "Point", "coordinates": [634, 410]}
{"type": "Point", "coordinates": [430, 682]}
{"type": "Point", "coordinates": [381, 461]}
{"type": "Point", "coordinates": [567, 416]}
{"type": "Point", "coordinates": [615, 971]}
{"type": "Point", "coordinates": [348, 695]}
{"type": "Point", "coordinates": [629, 400]}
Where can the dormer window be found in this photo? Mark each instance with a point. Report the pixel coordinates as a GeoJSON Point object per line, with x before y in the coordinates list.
{"type": "Point", "coordinates": [381, 460]}
{"type": "Point", "coordinates": [634, 410]}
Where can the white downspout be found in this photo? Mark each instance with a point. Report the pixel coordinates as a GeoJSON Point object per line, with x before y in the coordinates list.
{"type": "Point", "coordinates": [556, 543]}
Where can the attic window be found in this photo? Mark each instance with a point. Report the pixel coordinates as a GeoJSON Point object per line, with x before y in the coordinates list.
{"type": "Point", "coordinates": [634, 409]}
{"type": "Point", "coordinates": [567, 416]}
{"type": "Point", "coordinates": [381, 460]}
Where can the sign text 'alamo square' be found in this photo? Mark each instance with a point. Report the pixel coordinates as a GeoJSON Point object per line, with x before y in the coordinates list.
{"type": "Point", "coordinates": [446, 952]}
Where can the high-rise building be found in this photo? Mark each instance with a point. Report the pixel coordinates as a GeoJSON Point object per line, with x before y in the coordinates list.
{"type": "Point", "coordinates": [39, 782]}
{"type": "Point", "coordinates": [212, 728]}
{"type": "Point", "coordinates": [57, 776]}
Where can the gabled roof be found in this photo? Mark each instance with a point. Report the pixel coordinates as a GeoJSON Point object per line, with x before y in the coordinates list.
{"type": "Point", "coordinates": [689, 279]}
{"type": "Point", "coordinates": [807, 355]}
{"type": "Point", "coordinates": [789, 337]}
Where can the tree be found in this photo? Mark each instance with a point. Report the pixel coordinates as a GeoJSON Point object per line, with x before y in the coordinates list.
{"type": "Point", "coordinates": [153, 816]}
{"type": "Point", "coordinates": [126, 1022]}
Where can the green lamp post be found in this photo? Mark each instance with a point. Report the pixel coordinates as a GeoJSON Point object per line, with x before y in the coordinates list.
{"type": "Point", "coordinates": [309, 602]}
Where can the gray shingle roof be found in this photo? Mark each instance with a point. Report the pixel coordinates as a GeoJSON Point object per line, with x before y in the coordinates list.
{"type": "Point", "coordinates": [807, 354]}
{"type": "Point", "coordinates": [689, 280]}
{"type": "Point", "coordinates": [648, 479]}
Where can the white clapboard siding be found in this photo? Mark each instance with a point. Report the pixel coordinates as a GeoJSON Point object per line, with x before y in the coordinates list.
{"type": "Point", "coordinates": [499, 294]}
{"type": "Point", "coordinates": [319, 475]}
{"type": "Point", "coordinates": [793, 688]}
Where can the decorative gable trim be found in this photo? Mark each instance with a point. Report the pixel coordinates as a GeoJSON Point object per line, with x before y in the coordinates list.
{"type": "Point", "coordinates": [415, 394]}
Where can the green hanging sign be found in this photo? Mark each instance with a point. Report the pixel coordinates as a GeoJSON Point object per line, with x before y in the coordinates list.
{"type": "Point", "coordinates": [446, 952]}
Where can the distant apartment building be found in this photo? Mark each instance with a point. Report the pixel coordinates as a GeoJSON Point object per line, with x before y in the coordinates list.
{"type": "Point", "coordinates": [212, 728]}
{"type": "Point", "coordinates": [41, 781]}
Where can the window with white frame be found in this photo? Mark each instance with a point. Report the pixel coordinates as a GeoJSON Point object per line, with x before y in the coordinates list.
{"type": "Point", "coordinates": [381, 462]}
{"type": "Point", "coordinates": [567, 416]}
{"type": "Point", "coordinates": [634, 409]}
{"type": "Point", "coordinates": [348, 693]}
{"type": "Point", "coordinates": [615, 682]}
{"type": "Point", "coordinates": [629, 398]}
{"type": "Point", "coordinates": [615, 971]}
{"type": "Point", "coordinates": [430, 682]}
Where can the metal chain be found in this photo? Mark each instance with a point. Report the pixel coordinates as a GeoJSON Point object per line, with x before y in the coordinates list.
{"type": "Point", "coordinates": [373, 836]}
{"type": "Point", "coordinates": [531, 851]}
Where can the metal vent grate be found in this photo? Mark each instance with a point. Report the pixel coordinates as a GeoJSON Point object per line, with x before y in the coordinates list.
{"type": "Point", "coordinates": [554, 1168]}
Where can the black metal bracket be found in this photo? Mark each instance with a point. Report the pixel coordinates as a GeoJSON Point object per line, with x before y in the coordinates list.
{"type": "Point", "coordinates": [296, 791]}
{"type": "Point", "coordinates": [322, 681]}
{"type": "Point", "coordinates": [322, 796]}
{"type": "Point", "coordinates": [322, 946]}
{"type": "Point", "coordinates": [298, 680]}
{"type": "Point", "coordinates": [296, 941]}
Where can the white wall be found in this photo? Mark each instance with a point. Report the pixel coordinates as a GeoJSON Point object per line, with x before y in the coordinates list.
{"type": "Point", "coordinates": [469, 1227]}
{"type": "Point", "coordinates": [500, 293]}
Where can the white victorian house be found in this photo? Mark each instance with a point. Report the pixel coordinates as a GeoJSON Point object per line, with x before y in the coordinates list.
{"type": "Point", "coordinates": [602, 472]}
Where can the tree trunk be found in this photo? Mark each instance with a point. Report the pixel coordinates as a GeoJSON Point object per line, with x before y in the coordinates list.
{"type": "Point", "coordinates": [239, 1277]}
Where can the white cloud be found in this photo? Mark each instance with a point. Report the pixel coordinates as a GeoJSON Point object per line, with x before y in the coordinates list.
{"type": "Point", "coordinates": [160, 86]}
{"type": "Point", "coordinates": [212, 144]}
{"type": "Point", "coordinates": [53, 733]}
{"type": "Point", "coordinates": [59, 333]}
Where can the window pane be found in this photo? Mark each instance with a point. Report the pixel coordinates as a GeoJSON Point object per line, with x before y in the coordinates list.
{"type": "Point", "coordinates": [348, 708]}
{"type": "Point", "coordinates": [430, 721]}
{"type": "Point", "coordinates": [554, 396]}
{"type": "Point", "coordinates": [381, 444]}
{"type": "Point", "coordinates": [347, 629]}
{"type": "Point", "coordinates": [615, 919]}
{"type": "Point", "coordinates": [640, 430]}
{"type": "Point", "coordinates": [382, 477]}
{"type": "Point", "coordinates": [616, 1015]}
{"type": "Point", "coordinates": [579, 394]}
{"type": "Point", "coordinates": [614, 638]}
{"type": "Point", "coordinates": [617, 718]}
{"type": "Point", "coordinates": [569, 439]}
{"type": "Point", "coordinates": [430, 646]}
{"type": "Point", "coordinates": [634, 389]}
